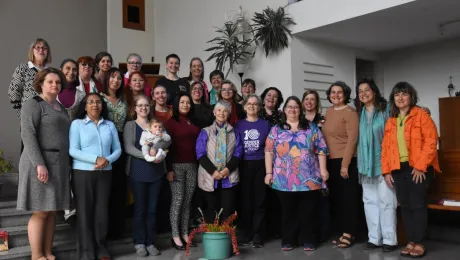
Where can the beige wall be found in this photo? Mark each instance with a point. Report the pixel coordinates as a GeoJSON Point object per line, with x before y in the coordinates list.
{"type": "Point", "coordinates": [72, 28]}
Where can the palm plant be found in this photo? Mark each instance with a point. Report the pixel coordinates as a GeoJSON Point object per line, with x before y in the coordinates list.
{"type": "Point", "coordinates": [271, 29]}
{"type": "Point", "coordinates": [228, 48]}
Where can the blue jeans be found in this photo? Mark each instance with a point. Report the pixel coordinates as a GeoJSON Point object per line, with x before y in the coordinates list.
{"type": "Point", "coordinates": [145, 207]}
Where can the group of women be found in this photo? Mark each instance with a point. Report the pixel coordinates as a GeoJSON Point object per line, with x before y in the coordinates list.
{"type": "Point", "coordinates": [90, 111]}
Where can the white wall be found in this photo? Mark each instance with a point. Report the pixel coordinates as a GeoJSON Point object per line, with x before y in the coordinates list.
{"type": "Point", "coordinates": [121, 41]}
{"type": "Point", "coordinates": [309, 14]}
{"type": "Point", "coordinates": [428, 69]}
{"type": "Point", "coordinates": [184, 27]}
{"type": "Point", "coordinates": [342, 59]}
{"type": "Point", "coordinates": [72, 28]}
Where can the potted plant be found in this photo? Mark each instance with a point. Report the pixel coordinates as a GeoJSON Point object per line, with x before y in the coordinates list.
{"type": "Point", "coordinates": [5, 166]}
{"type": "Point", "coordinates": [217, 237]}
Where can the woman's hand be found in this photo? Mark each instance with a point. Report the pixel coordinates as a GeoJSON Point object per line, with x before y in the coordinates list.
{"type": "Point", "coordinates": [325, 175]}
{"type": "Point", "coordinates": [42, 173]}
{"type": "Point", "coordinates": [216, 175]}
{"type": "Point", "coordinates": [269, 178]}
{"type": "Point", "coordinates": [224, 173]}
{"type": "Point", "coordinates": [101, 163]}
{"type": "Point", "coordinates": [389, 180]}
{"type": "Point", "coordinates": [418, 176]}
{"type": "Point", "coordinates": [344, 172]}
{"type": "Point", "coordinates": [170, 176]}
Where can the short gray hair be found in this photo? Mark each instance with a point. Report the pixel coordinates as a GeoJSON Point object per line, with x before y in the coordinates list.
{"type": "Point", "coordinates": [259, 101]}
{"type": "Point", "coordinates": [134, 55]}
{"type": "Point", "coordinates": [222, 103]}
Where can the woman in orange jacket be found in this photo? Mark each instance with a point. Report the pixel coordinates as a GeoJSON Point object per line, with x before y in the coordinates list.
{"type": "Point", "coordinates": [409, 159]}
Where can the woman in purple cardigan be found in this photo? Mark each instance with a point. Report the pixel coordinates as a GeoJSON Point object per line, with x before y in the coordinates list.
{"type": "Point", "coordinates": [218, 150]}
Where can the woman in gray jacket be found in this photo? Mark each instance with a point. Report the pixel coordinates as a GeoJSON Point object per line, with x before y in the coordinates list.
{"type": "Point", "coordinates": [145, 177]}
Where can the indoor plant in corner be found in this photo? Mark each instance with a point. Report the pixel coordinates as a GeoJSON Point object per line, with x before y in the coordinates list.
{"type": "Point", "coordinates": [217, 237]}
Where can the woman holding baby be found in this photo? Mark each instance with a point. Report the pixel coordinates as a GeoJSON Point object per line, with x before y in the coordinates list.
{"type": "Point", "coordinates": [145, 177]}
{"type": "Point", "coordinates": [182, 166]}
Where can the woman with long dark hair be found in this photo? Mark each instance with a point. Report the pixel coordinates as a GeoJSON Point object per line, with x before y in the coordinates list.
{"type": "Point", "coordinates": [409, 161]}
{"type": "Point", "coordinates": [379, 199]}
{"type": "Point", "coordinates": [112, 93]}
{"type": "Point", "coordinates": [295, 161]}
{"type": "Point", "coordinates": [272, 98]}
{"type": "Point", "coordinates": [70, 97]}
{"type": "Point", "coordinates": [182, 166]}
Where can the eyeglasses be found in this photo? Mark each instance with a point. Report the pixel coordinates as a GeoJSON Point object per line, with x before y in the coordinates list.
{"type": "Point", "coordinates": [142, 106]}
{"type": "Point", "coordinates": [94, 102]}
{"type": "Point", "coordinates": [85, 64]}
{"type": "Point", "coordinates": [197, 88]}
{"type": "Point", "coordinates": [41, 48]}
{"type": "Point", "coordinates": [252, 104]}
{"type": "Point", "coordinates": [138, 63]}
{"type": "Point", "coordinates": [228, 90]}
{"type": "Point", "coordinates": [292, 107]}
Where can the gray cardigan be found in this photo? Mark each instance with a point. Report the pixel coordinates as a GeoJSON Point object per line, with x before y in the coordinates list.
{"type": "Point", "coordinates": [129, 141]}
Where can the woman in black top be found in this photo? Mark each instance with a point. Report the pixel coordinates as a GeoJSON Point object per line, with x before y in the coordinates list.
{"type": "Point", "coordinates": [271, 101]}
{"type": "Point", "coordinates": [203, 111]}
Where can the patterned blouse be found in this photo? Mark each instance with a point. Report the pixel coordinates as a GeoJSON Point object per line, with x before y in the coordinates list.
{"type": "Point", "coordinates": [117, 113]}
{"type": "Point", "coordinates": [295, 160]}
{"type": "Point", "coordinates": [273, 119]}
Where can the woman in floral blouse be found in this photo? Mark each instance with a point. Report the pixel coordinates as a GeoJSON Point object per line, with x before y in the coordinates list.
{"type": "Point", "coordinates": [295, 161]}
{"type": "Point", "coordinates": [113, 87]}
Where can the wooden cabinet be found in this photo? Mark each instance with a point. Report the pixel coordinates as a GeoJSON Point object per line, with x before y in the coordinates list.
{"type": "Point", "coordinates": [447, 184]}
{"type": "Point", "coordinates": [150, 70]}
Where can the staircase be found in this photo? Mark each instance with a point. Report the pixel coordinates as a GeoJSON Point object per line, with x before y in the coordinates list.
{"type": "Point", "coordinates": [64, 246]}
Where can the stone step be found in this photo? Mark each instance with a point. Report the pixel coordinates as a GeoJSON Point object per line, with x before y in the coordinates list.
{"type": "Point", "coordinates": [11, 217]}
{"type": "Point", "coordinates": [68, 249]}
{"type": "Point", "coordinates": [18, 236]}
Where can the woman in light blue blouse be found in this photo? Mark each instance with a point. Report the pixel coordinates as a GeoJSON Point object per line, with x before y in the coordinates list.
{"type": "Point", "coordinates": [94, 146]}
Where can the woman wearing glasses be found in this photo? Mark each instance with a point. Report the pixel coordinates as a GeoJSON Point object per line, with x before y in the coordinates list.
{"type": "Point", "coordinates": [94, 146]}
{"type": "Point", "coordinates": [86, 70]}
{"type": "Point", "coordinates": [22, 85]}
{"type": "Point", "coordinates": [146, 179]}
{"type": "Point", "coordinates": [229, 93]}
{"type": "Point", "coordinates": [134, 64]}
{"type": "Point", "coordinates": [254, 132]}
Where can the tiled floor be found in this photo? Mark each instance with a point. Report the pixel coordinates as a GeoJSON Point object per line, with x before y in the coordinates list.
{"type": "Point", "coordinates": [272, 251]}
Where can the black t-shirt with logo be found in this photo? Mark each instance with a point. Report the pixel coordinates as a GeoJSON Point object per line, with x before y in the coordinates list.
{"type": "Point", "coordinates": [173, 87]}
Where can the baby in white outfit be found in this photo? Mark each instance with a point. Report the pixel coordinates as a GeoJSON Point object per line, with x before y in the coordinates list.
{"type": "Point", "coordinates": [152, 136]}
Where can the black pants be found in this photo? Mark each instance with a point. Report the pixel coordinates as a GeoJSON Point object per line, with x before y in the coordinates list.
{"type": "Point", "coordinates": [344, 196]}
{"type": "Point", "coordinates": [298, 214]}
{"type": "Point", "coordinates": [413, 201]}
{"type": "Point", "coordinates": [117, 202]}
{"type": "Point", "coordinates": [253, 192]}
{"type": "Point", "coordinates": [220, 198]}
{"type": "Point", "coordinates": [164, 206]}
{"type": "Point", "coordinates": [91, 192]}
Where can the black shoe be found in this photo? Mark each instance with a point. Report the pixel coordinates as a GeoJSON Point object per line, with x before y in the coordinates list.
{"type": "Point", "coordinates": [370, 246]}
{"type": "Point", "coordinates": [72, 220]}
{"type": "Point", "coordinates": [388, 248]}
{"type": "Point", "coordinates": [257, 244]}
{"type": "Point", "coordinates": [182, 247]}
{"type": "Point", "coordinates": [185, 243]}
{"type": "Point", "coordinates": [244, 242]}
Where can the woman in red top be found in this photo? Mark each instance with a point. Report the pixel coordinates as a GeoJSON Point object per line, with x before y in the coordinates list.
{"type": "Point", "coordinates": [160, 110]}
{"type": "Point", "coordinates": [86, 70]}
{"type": "Point", "coordinates": [229, 93]}
{"type": "Point", "coordinates": [182, 166]}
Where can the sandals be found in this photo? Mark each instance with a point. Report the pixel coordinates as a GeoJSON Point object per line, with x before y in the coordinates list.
{"type": "Point", "coordinates": [416, 252]}
{"type": "Point", "coordinates": [406, 251]}
{"type": "Point", "coordinates": [346, 242]}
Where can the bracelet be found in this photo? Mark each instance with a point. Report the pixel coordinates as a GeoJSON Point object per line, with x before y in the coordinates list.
{"type": "Point", "coordinates": [269, 173]}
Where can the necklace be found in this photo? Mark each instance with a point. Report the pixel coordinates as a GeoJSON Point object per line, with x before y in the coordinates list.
{"type": "Point", "coordinates": [402, 120]}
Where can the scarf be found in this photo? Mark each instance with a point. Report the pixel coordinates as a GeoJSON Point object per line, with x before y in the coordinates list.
{"type": "Point", "coordinates": [92, 86]}
{"type": "Point", "coordinates": [213, 96]}
{"type": "Point", "coordinates": [221, 148]}
{"type": "Point", "coordinates": [370, 144]}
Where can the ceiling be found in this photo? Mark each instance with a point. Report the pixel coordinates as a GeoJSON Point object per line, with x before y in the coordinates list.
{"type": "Point", "coordinates": [398, 27]}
